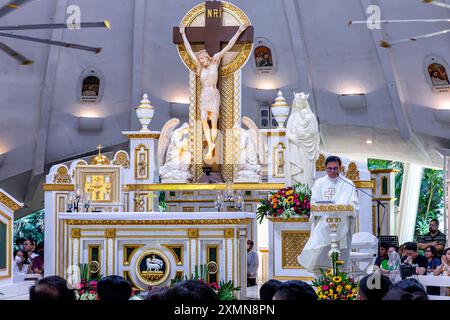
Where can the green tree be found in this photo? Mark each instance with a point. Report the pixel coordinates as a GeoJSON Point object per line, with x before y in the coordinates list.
{"type": "Point", "coordinates": [30, 227]}
{"type": "Point", "coordinates": [431, 199]}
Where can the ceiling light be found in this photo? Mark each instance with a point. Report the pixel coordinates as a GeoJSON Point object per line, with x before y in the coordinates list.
{"type": "Point", "coordinates": [87, 124]}
{"type": "Point", "coordinates": [353, 101]}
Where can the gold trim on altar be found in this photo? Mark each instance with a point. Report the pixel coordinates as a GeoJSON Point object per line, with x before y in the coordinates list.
{"type": "Point", "coordinates": [102, 182]}
{"type": "Point", "coordinates": [331, 207]}
{"type": "Point", "coordinates": [8, 202]}
{"type": "Point", "coordinates": [292, 219]}
{"type": "Point", "coordinates": [158, 222]}
{"type": "Point", "coordinates": [292, 244]}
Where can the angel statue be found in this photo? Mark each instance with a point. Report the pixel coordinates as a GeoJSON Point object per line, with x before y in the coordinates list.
{"type": "Point", "coordinates": [208, 70]}
{"type": "Point", "coordinates": [173, 152]}
{"type": "Point", "coordinates": [302, 133]}
{"type": "Point", "coordinates": [248, 163]}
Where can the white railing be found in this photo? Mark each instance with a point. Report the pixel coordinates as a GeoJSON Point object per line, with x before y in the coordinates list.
{"type": "Point", "coordinates": [436, 281]}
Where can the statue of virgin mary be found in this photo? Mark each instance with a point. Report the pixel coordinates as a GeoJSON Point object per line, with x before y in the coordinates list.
{"type": "Point", "coordinates": [302, 135]}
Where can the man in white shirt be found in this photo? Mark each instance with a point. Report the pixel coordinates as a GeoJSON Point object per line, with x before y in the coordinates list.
{"type": "Point", "coordinates": [338, 190]}
{"type": "Point", "coordinates": [252, 264]}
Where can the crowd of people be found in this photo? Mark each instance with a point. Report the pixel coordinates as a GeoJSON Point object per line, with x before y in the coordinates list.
{"type": "Point", "coordinates": [28, 258]}
{"type": "Point", "coordinates": [115, 288]}
{"type": "Point", "coordinates": [380, 285]}
{"type": "Point", "coordinates": [435, 259]}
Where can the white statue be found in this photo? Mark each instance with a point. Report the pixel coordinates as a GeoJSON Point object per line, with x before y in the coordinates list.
{"type": "Point", "coordinates": [248, 164]}
{"type": "Point", "coordinates": [174, 153]}
{"type": "Point", "coordinates": [302, 133]}
{"type": "Point", "coordinates": [208, 70]}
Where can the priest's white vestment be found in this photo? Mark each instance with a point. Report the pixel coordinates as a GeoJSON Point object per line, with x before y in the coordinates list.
{"type": "Point", "coordinates": [315, 252]}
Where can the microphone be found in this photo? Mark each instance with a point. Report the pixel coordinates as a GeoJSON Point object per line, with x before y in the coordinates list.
{"type": "Point", "coordinates": [379, 203]}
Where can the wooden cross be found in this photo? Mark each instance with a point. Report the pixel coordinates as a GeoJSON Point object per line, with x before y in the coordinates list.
{"type": "Point", "coordinates": [329, 194]}
{"type": "Point", "coordinates": [213, 34]}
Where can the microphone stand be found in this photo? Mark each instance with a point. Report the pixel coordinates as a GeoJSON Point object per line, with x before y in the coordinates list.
{"type": "Point", "coordinates": [379, 203]}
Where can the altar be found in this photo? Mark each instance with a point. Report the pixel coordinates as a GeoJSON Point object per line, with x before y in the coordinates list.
{"type": "Point", "coordinates": [150, 249]}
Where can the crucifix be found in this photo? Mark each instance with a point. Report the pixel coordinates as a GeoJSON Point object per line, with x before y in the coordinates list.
{"type": "Point", "coordinates": [207, 62]}
{"type": "Point", "coordinates": [329, 194]}
{"type": "Point", "coordinates": [213, 34]}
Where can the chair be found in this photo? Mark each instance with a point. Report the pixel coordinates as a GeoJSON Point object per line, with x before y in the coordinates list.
{"type": "Point", "coordinates": [367, 246]}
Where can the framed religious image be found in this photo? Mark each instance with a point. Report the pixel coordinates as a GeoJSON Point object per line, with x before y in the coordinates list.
{"type": "Point", "coordinates": [102, 184]}
{"type": "Point", "coordinates": [142, 162]}
{"type": "Point", "coordinates": [264, 59]}
{"type": "Point", "coordinates": [436, 73]}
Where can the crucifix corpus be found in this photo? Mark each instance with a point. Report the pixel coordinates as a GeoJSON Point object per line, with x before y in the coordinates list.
{"type": "Point", "coordinates": [207, 61]}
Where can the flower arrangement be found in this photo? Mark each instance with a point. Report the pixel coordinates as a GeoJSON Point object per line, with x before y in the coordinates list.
{"type": "Point", "coordinates": [224, 290]}
{"type": "Point", "coordinates": [86, 289]}
{"type": "Point", "coordinates": [335, 284]}
{"type": "Point", "coordinates": [286, 203]}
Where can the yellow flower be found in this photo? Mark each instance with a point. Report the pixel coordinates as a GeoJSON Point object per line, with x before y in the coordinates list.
{"type": "Point", "coordinates": [339, 262]}
{"type": "Point", "coordinates": [290, 199]}
{"type": "Point", "coordinates": [339, 289]}
{"type": "Point", "coordinates": [337, 279]}
{"type": "Point", "coordinates": [335, 296]}
{"type": "Point", "coordinates": [329, 272]}
{"type": "Point", "coordinates": [331, 292]}
{"type": "Point", "coordinates": [348, 287]}
{"type": "Point", "coordinates": [289, 192]}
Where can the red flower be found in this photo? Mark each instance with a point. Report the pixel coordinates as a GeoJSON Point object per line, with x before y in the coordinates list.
{"type": "Point", "coordinates": [280, 211]}
{"type": "Point", "coordinates": [81, 292]}
{"type": "Point", "coordinates": [92, 292]}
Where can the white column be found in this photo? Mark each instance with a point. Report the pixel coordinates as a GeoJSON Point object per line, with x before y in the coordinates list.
{"type": "Point", "coordinates": [110, 262]}
{"type": "Point", "coordinates": [49, 234]}
{"type": "Point", "coordinates": [229, 260]}
{"type": "Point", "coordinates": [409, 200]}
{"type": "Point", "coordinates": [242, 245]}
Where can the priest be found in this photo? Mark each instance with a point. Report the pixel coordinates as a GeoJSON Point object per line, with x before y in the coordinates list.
{"type": "Point", "coordinates": [338, 190]}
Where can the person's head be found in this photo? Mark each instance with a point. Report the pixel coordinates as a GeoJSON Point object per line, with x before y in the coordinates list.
{"type": "Point", "coordinates": [249, 245]}
{"type": "Point", "coordinates": [190, 290]}
{"type": "Point", "coordinates": [373, 286]}
{"type": "Point", "coordinates": [156, 293]}
{"type": "Point", "coordinates": [447, 254]}
{"type": "Point", "coordinates": [408, 289]}
{"type": "Point", "coordinates": [383, 250]}
{"type": "Point", "coordinates": [434, 226]}
{"type": "Point", "coordinates": [51, 288]}
{"type": "Point", "coordinates": [114, 288]}
{"type": "Point", "coordinates": [431, 252]}
{"type": "Point", "coordinates": [411, 250]}
{"type": "Point", "coordinates": [392, 249]}
{"type": "Point", "coordinates": [295, 290]}
{"type": "Point", "coordinates": [29, 245]}
{"type": "Point", "coordinates": [19, 256]}
{"type": "Point", "coordinates": [268, 289]}
{"type": "Point", "coordinates": [399, 294]}
{"type": "Point", "coordinates": [204, 58]}
{"type": "Point", "coordinates": [333, 166]}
